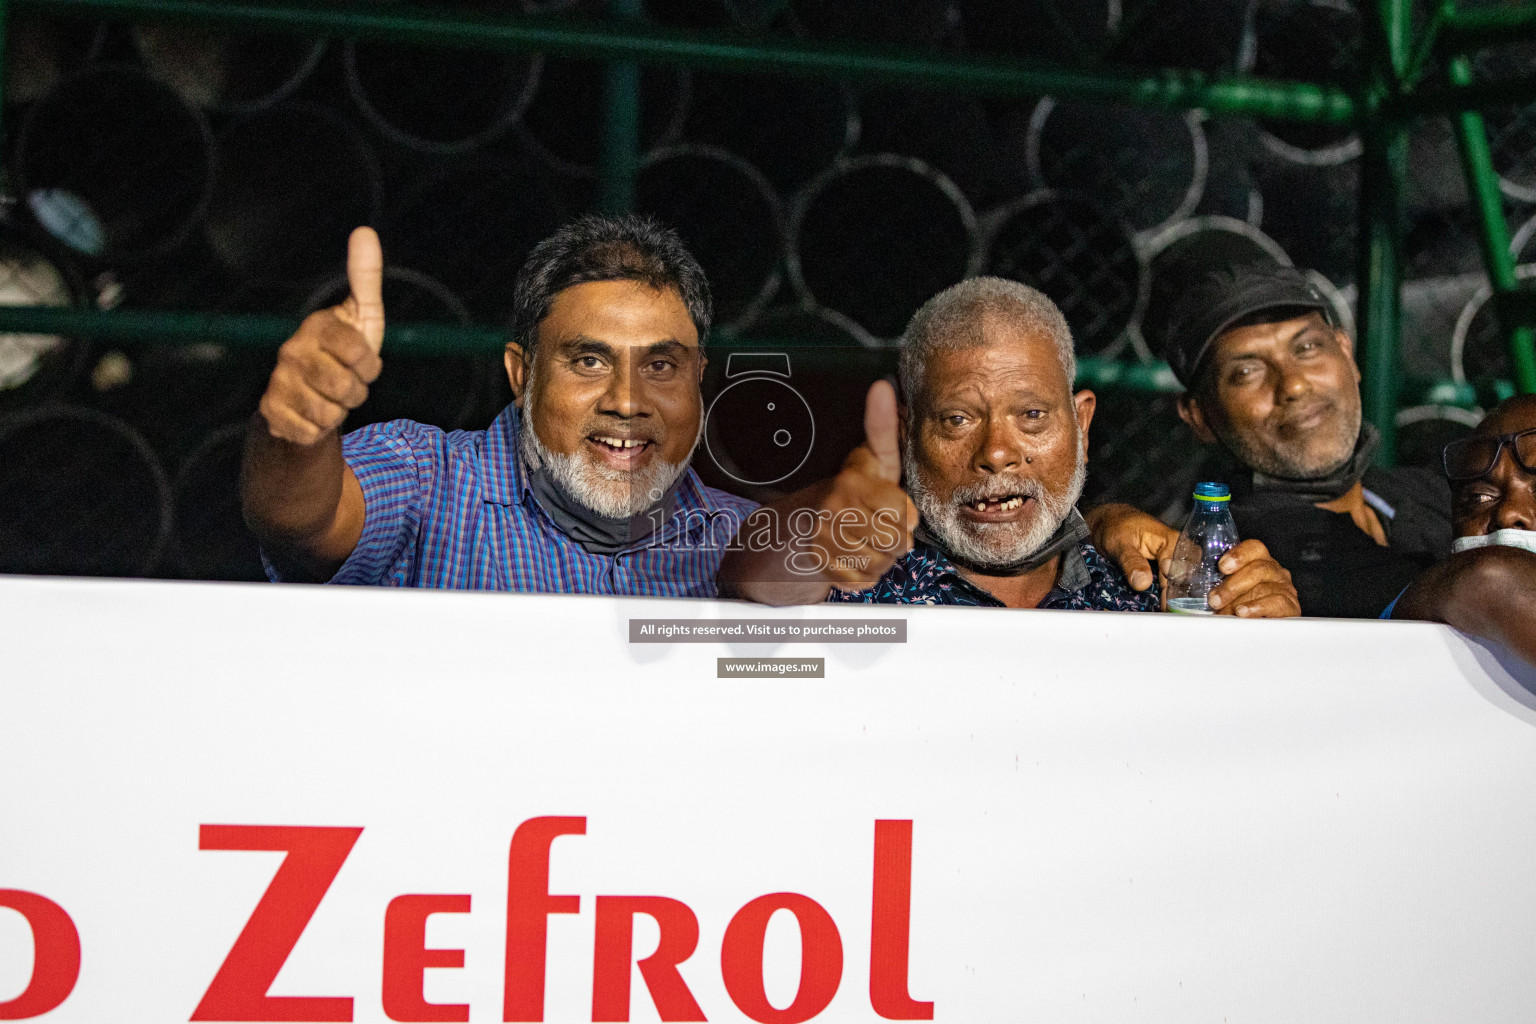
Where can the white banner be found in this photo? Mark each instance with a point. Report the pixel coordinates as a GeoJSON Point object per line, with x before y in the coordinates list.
{"type": "Point", "coordinates": [288, 803]}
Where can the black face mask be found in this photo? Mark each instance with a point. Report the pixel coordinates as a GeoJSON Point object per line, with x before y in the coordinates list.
{"type": "Point", "coordinates": [1324, 488]}
{"type": "Point", "coordinates": [1072, 531]}
{"type": "Point", "coordinates": [598, 534]}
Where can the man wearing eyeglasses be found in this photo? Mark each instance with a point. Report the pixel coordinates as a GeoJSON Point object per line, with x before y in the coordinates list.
{"type": "Point", "coordinates": [1273, 387]}
{"type": "Point", "coordinates": [1487, 587]}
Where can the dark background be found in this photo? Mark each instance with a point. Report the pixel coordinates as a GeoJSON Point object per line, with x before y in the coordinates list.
{"type": "Point", "coordinates": [164, 168]}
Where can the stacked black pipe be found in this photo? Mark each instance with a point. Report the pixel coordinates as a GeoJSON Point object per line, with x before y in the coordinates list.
{"type": "Point", "coordinates": [165, 168]}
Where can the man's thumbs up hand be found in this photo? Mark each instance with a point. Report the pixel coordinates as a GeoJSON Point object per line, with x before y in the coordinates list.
{"type": "Point", "coordinates": [865, 520]}
{"type": "Point", "coordinates": [365, 278]}
{"type": "Point", "coordinates": [324, 370]}
{"type": "Point", "coordinates": [881, 427]}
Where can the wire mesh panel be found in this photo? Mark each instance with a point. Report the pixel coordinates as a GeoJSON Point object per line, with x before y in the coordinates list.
{"type": "Point", "coordinates": [1206, 35]}
{"type": "Point", "coordinates": [1478, 349]}
{"type": "Point", "coordinates": [1141, 452]}
{"type": "Point", "coordinates": [1313, 41]}
{"type": "Point", "coordinates": [114, 164]}
{"type": "Point", "coordinates": [230, 72]}
{"type": "Point", "coordinates": [1145, 166]}
{"type": "Point", "coordinates": [440, 101]}
{"type": "Point", "coordinates": [1314, 213]}
{"type": "Point", "coordinates": [1423, 431]}
{"type": "Point", "coordinates": [211, 540]}
{"type": "Point", "coordinates": [745, 115]}
{"type": "Point", "coordinates": [292, 183]}
{"type": "Point", "coordinates": [728, 214]}
{"type": "Point", "coordinates": [917, 23]}
{"type": "Point", "coordinates": [1512, 130]}
{"type": "Point", "coordinates": [174, 393]}
{"type": "Point", "coordinates": [81, 493]}
{"type": "Point", "coordinates": [876, 236]}
{"type": "Point", "coordinates": [221, 171]}
{"type": "Point", "coordinates": [1231, 187]}
{"type": "Point", "coordinates": [1085, 260]}
{"type": "Point", "coordinates": [1443, 261]}
{"type": "Point", "coordinates": [951, 134]}
{"type": "Point", "coordinates": [472, 221]}
{"type": "Point", "coordinates": [1078, 32]}
{"type": "Point", "coordinates": [41, 51]}
{"type": "Point", "coordinates": [563, 123]}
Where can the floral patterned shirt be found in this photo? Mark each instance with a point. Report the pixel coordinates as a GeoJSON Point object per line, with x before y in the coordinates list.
{"type": "Point", "coordinates": [1088, 581]}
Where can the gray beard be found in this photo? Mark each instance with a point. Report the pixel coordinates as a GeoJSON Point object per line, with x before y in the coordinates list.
{"type": "Point", "coordinates": [998, 544]}
{"type": "Point", "coordinates": [611, 493]}
{"type": "Point", "coordinates": [1279, 463]}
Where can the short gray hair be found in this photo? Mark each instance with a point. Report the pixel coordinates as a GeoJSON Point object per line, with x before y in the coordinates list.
{"type": "Point", "coordinates": [952, 319]}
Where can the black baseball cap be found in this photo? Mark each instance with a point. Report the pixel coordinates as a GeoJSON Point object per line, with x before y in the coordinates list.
{"type": "Point", "coordinates": [1219, 299]}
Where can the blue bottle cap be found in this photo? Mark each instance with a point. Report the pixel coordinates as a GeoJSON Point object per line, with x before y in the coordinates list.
{"type": "Point", "coordinates": [1212, 492]}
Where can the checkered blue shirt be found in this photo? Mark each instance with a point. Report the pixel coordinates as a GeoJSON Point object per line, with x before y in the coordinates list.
{"type": "Point", "coordinates": [455, 510]}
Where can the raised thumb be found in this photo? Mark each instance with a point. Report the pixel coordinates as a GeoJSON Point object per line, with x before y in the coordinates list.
{"type": "Point", "coordinates": [365, 277]}
{"type": "Point", "coordinates": [881, 427]}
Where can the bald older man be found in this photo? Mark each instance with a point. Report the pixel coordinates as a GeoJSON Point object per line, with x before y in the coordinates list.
{"type": "Point", "coordinates": [1487, 587]}
{"type": "Point", "coordinates": [994, 445]}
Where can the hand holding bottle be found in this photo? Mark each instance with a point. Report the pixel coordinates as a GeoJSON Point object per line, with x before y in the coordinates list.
{"type": "Point", "coordinates": [1212, 572]}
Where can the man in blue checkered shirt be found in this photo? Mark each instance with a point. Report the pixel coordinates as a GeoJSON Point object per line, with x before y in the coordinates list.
{"type": "Point", "coordinates": [582, 485]}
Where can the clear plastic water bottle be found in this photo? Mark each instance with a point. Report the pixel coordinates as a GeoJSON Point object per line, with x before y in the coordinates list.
{"type": "Point", "coordinates": [1208, 534]}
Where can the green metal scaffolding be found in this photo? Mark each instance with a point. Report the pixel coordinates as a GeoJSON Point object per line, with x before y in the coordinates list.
{"type": "Point", "coordinates": [1409, 75]}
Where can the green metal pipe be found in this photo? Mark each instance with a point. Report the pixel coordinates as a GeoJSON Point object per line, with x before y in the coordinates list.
{"type": "Point", "coordinates": [1465, 31]}
{"type": "Point", "coordinates": [1384, 169]}
{"type": "Point", "coordinates": [5, 46]}
{"type": "Point", "coordinates": [1397, 30]}
{"type": "Point", "coordinates": [1295, 101]}
{"type": "Point", "coordinates": [620, 162]}
{"type": "Point", "coordinates": [1452, 32]}
{"type": "Point", "coordinates": [1429, 40]}
{"type": "Point", "coordinates": [1118, 373]}
{"type": "Point", "coordinates": [621, 124]}
{"type": "Point", "coordinates": [1483, 188]}
{"type": "Point", "coordinates": [133, 327]}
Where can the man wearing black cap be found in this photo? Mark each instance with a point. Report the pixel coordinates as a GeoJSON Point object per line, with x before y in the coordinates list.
{"type": "Point", "coordinates": [1271, 381]}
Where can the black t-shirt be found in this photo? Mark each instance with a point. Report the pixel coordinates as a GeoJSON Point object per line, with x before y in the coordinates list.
{"type": "Point", "coordinates": [1338, 569]}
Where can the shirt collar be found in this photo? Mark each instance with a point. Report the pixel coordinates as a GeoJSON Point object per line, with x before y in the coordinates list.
{"type": "Point", "coordinates": [503, 477]}
{"type": "Point", "coordinates": [1072, 577]}
{"type": "Point", "coordinates": [505, 480]}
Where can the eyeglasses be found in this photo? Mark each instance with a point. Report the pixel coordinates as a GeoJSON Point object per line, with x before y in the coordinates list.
{"type": "Point", "coordinates": [1472, 457]}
